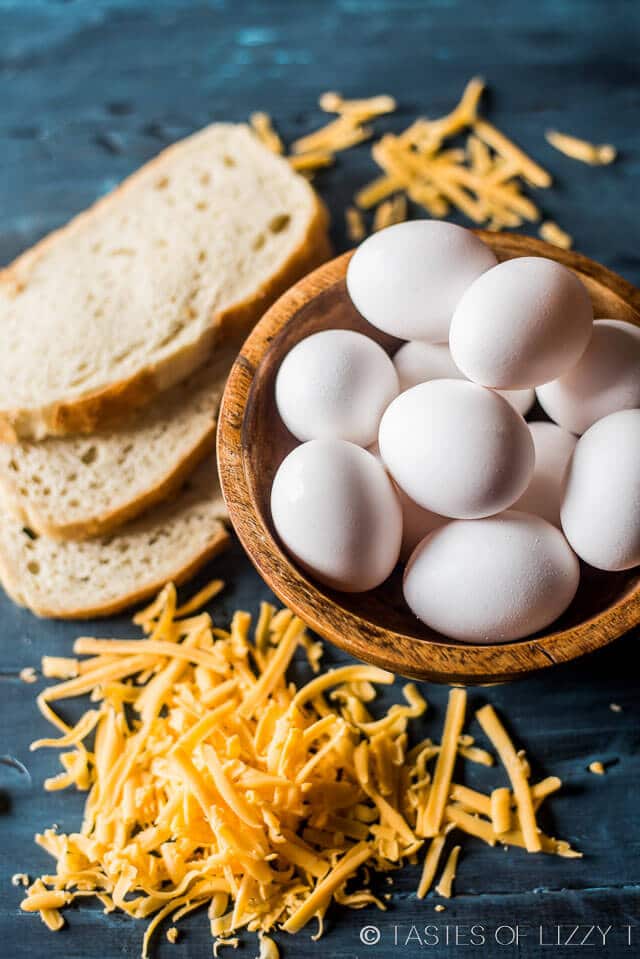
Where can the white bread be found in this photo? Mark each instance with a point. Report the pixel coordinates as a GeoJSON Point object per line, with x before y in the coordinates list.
{"type": "Point", "coordinates": [130, 296]}
{"type": "Point", "coordinates": [75, 487]}
{"type": "Point", "coordinates": [79, 580]}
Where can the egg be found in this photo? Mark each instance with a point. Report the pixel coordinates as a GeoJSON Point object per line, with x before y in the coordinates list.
{"type": "Point", "coordinates": [491, 580]}
{"type": "Point", "coordinates": [416, 521]}
{"type": "Point", "coordinates": [521, 400]}
{"type": "Point", "coordinates": [520, 324]}
{"type": "Point", "coordinates": [418, 362]}
{"type": "Point", "coordinates": [605, 379]}
{"type": "Point", "coordinates": [335, 384]}
{"type": "Point", "coordinates": [601, 507]}
{"type": "Point", "coordinates": [456, 448]}
{"type": "Point", "coordinates": [336, 512]}
{"type": "Point", "coordinates": [553, 449]}
{"type": "Point", "coordinates": [408, 279]}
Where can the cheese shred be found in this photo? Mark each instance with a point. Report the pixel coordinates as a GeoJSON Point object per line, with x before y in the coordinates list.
{"type": "Point", "coordinates": [554, 234]}
{"type": "Point", "coordinates": [214, 781]}
{"type": "Point", "coordinates": [591, 153]}
{"type": "Point", "coordinates": [483, 181]}
{"type": "Point", "coordinates": [445, 885]}
{"type": "Point", "coordinates": [498, 735]}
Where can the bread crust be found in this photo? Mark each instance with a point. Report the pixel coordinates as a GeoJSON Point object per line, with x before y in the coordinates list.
{"type": "Point", "coordinates": [218, 541]}
{"type": "Point", "coordinates": [110, 520]}
{"type": "Point", "coordinates": [111, 405]}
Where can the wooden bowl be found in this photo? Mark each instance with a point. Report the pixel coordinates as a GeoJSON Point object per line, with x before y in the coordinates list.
{"type": "Point", "coordinates": [377, 626]}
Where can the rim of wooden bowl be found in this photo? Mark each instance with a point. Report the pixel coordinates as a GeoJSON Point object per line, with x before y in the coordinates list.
{"type": "Point", "coordinates": [421, 658]}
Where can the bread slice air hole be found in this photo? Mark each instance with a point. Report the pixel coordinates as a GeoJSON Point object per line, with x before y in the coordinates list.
{"type": "Point", "coordinates": [90, 455]}
{"type": "Point", "coordinates": [279, 222]}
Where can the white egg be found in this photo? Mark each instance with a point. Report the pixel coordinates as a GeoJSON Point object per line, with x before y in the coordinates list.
{"type": "Point", "coordinates": [601, 507]}
{"type": "Point", "coordinates": [416, 521]}
{"type": "Point", "coordinates": [336, 512]}
{"type": "Point", "coordinates": [335, 384]}
{"type": "Point", "coordinates": [491, 580]}
{"type": "Point", "coordinates": [456, 448]}
{"type": "Point", "coordinates": [417, 362]}
{"type": "Point", "coordinates": [605, 379]}
{"type": "Point", "coordinates": [408, 279]}
{"type": "Point", "coordinates": [553, 448]}
{"type": "Point", "coordinates": [521, 400]}
{"type": "Point", "coordinates": [523, 323]}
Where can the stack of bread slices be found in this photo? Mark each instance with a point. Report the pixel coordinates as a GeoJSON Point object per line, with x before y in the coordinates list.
{"type": "Point", "coordinates": [118, 332]}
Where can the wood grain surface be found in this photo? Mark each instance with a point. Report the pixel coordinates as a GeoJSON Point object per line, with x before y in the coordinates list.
{"type": "Point", "coordinates": [90, 89]}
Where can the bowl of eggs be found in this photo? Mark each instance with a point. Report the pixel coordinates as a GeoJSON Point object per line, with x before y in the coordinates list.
{"type": "Point", "coordinates": [430, 450]}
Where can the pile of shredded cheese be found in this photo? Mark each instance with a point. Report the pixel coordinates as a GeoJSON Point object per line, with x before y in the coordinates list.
{"type": "Point", "coordinates": [483, 180]}
{"type": "Point", "coordinates": [214, 781]}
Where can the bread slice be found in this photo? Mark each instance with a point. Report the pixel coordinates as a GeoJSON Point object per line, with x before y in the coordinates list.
{"type": "Point", "coordinates": [75, 487]}
{"type": "Point", "coordinates": [71, 580]}
{"type": "Point", "coordinates": [127, 299]}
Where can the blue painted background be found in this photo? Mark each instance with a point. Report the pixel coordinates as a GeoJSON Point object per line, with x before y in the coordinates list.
{"type": "Point", "coordinates": [88, 91]}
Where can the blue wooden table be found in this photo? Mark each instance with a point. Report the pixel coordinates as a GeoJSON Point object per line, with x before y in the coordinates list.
{"type": "Point", "coordinates": [91, 89]}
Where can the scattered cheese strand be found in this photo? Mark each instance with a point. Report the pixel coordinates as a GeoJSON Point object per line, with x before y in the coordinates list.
{"type": "Point", "coordinates": [340, 134]}
{"type": "Point", "coordinates": [430, 866]}
{"type": "Point", "coordinates": [356, 230]}
{"type": "Point", "coordinates": [501, 810]}
{"type": "Point", "coordinates": [504, 147]}
{"type": "Point", "coordinates": [214, 782]}
{"type": "Point", "coordinates": [312, 160]}
{"type": "Point", "coordinates": [591, 153]}
{"type": "Point", "coordinates": [263, 128]}
{"type": "Point", "coordinates": [552, 233]}
{"type": "Point", "coordinates": [361, 111]}
{"type": "Point", "coordinates": [445, 885]}
{"type": "Point", "coordinates": [511, 761]}
{"type": "Point", "coordinates": [59, 667]}
{"type": "Point", "coordinates": [390, 212]}
{"type": "Point", "coordinates": [483, 182]}
{"type": "Point", "coordinates": [446, 760]}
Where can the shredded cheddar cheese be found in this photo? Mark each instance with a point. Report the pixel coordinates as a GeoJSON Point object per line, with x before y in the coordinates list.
{"type": "Point", "coordinates": [390, 212]}
{"type": "Point", "coordinates": [59, 667]}
{"type": "Point", "coordinates": [263, 128]}
{"type": "Point", "coordinates": [483, 179]}
{"type": "Point", "coordinates": [356, 229]}
{"type": "Point", "coordinates": [214, 781]}
{"type": "Point", "coordinates": [500, 810]}
{"type": "Point", "coordinates": [430, 866]}
{"type": "Point", "coordinates": [552, 233]}
{"type": "Point", "coordinates": [517, 774]}
{"type": "Point", "coordinates": [591, 153]}
{"type": "Point", "coordinates": [312, 160]}
{"type": "Point", "coordinates": [445, 885]}
{"type": "Point", "coordinates": [444, 768]}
